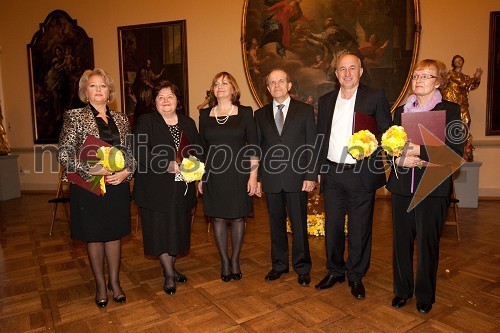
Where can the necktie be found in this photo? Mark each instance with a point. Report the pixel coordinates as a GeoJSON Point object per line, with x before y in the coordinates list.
{"type": "Point", "coordinates": [280, 119]}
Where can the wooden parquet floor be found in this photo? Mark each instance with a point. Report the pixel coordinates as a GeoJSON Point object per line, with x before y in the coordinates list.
{"type": "Point", "coordinates": [47, 286]}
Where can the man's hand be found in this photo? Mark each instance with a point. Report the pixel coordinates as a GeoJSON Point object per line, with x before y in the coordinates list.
{"type": "Point", "coordinates": [258, 192]}
{"type": "Point", "coordinates": [308, 185]}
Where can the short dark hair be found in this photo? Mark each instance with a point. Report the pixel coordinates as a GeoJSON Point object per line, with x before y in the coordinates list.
{"type": "Point", "coordinates": [175, 90]}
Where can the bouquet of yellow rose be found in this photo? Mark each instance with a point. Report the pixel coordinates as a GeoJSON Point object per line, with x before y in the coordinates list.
{"type": "Point", "coordinates": [192, 169]}
{"type": "Point", "coordinates": [394, 140]}
{"type": "Point", "coordinates": [110, 158]}
{"type": "Point", "coordinates": [362, 144]}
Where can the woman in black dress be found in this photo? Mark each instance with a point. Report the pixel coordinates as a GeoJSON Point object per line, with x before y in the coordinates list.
{"type": "Point", "coordinates": [229, 138]}
{"type": "Point", "coordinates": [426, 220]}
{"type": "Point", "coordinates": [165, 201]}
{"type": "Point", "coordinates": [101, 221]}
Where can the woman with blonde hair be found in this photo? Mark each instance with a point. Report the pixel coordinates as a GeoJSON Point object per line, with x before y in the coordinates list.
{"type": "Point", "coordinates": [101, 221]}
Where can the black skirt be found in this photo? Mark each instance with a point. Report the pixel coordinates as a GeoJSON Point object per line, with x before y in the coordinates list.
{"type": "Point", "coordinates": [169, 231]}
{"type": "Point", "coordinates": [100, 218]}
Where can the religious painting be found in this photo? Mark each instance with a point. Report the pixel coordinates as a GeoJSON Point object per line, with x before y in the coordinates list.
{"type": "Point", "coordinates": [307, 37]}
{"type": "Point", "coordinates": [493, 99]}
{"type": "Point", "coordinates": [59, 52]}
{"type": "Point", "coordinates": [151, 53]}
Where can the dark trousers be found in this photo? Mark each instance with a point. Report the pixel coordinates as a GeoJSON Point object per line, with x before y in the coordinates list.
{"type": "Point", "coordinates": [296, 204]}
{"type": "Point", "coordinates": [424, 223]}
{"type": "Point", "coordinates": [344, 193]}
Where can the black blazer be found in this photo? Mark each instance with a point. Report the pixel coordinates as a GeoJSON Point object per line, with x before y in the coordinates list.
{"type": "Point", "coordinates": [402, 184]}
{"type": "Point", "coordinates": [290, 158]}
{"type": "Point", "coordinates": [368, 101]}
{"type": "Point", "coordinates": [154, 148]}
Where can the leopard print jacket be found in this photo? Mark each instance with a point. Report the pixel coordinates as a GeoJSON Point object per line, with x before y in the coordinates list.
{"type": "Point", "coordinates": [78, 124]}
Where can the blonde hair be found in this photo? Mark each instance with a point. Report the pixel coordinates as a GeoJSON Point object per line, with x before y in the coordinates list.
{"type": "Point", "coordinates": [82, 85]}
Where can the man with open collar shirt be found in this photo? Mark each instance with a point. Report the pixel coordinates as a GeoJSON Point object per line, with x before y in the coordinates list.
{"type": "Point", "coordinates": [348, 185]}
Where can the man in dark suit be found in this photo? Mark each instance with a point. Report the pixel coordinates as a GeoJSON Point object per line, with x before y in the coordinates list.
{"type": "Point", "coordinates": [348, 185]}
{"type": "Point", "coordinates": [287, 134]}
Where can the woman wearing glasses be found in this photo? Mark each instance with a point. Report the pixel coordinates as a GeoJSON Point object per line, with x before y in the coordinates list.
{"type": "Point", "coordinates": [425, 221]}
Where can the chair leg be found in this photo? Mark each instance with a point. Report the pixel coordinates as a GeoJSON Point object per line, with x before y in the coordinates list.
{"type": "Point", "coordinates": [455, 207]}
{"type": "Point", "coordinates": [53, 219]}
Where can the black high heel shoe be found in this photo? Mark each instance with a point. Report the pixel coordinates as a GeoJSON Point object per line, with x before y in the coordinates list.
{"type": "Point", "coordinates": [169, 290]}
{"type": "Point", "coordinates": [101, 302]}
{"type": "Point", "coordinates": [236, 276]}
{"type": "Point", "coordinates": [226, 278]}
{"type": "Point", "coordinates": [179, 277]}
{"type": "Point", "coordinates": [118, 299]}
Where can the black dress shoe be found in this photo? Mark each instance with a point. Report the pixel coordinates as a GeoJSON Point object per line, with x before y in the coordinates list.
{"type": "Point", "coordinates": [328, 281]}
{"type": "Point", "coordinates": [169, 289]}
{"type": "Point", "coordinates": [101, 302]}
{"type": "Point", "coordinates": [357, 289]}
{"type": "Point", "coordinates": [236, 276]}
{"type": "Point", "coordinates": [118, 299]}
{"type": "Point", "coordinates": [398, 302]}
{"type": "Point", "coordinates": [304, 279]}
{"type": "Point", "coordinates": [423, 308]}
{"type": "Point", "coordinates": [275, 275]}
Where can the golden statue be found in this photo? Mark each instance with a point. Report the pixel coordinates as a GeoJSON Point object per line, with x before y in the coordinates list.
{"type": "Point", "coordinates": [456, 89]}
{"type": "Point", "coordinates": [4, 145]}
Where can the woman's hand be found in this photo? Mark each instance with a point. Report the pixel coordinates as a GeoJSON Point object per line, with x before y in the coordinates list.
{"type": "Point", "coordinates": [412, 150]}
{"type": "Point", "coordinates": [409, 161]}
{"type": "Point", "coordinates": [116, 178]}
{"type": "Point", "coordinates": [173, 167]}
{"type": "Point", "coordinates": [99, 170]}
{"type": "Point", "coordinates": [200, 187]}
{"type": "Point", "coordinates": [252, 185]}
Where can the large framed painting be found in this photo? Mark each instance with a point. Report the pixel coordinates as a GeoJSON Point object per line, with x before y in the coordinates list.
{"type": "Point", "coordinates": [59, 52]}
{"type": "Point", "coordinates": [493, 99]}
{"type": "Point", "coordinates": [150, 53]}
{"type": "Point", "coordinates": [307, 37]}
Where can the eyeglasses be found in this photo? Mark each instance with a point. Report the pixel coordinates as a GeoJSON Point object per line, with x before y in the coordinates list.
{"type": "Point", "coordinates": [423, 76]}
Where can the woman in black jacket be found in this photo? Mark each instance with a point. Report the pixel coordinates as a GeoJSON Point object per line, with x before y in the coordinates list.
{"type": "Point", "coordinates": [426, 220]}
{"type": "Point", "coordinates": [165, 201]}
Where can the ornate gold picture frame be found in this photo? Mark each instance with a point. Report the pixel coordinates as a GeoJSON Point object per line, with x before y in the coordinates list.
{"type": "Point", "coordinates": [306, 37]}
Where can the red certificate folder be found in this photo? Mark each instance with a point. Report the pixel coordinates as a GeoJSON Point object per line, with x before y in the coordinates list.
{"type": "Point", "coordinates": [364, 122]}
{"type": "Point", "coordinates": [88, 152]}
{"type": "Point", "coordinates": [432, 121]}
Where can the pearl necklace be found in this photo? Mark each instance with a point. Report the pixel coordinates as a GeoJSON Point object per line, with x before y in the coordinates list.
{"type": "Point", "coordinates": [222, 120]}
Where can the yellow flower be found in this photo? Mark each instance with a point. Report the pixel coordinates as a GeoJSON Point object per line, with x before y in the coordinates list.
{"type": "Point", "coordinates": [394, 140]}
{"type": "Point", "coordinates": [111, 158]}
{"type": "Point", "coordinates": [192, 169]}
{"type": "Point", "coordinates": [362, 144]}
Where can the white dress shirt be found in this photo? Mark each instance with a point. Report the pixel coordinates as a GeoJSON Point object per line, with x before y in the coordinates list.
{"type": "Point", "coordinates": [342, 123]}
{"type": "Point", "coordinates": [286, 104]}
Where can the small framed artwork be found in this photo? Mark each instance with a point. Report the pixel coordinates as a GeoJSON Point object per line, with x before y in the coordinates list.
{"type": "Point", "coordinates": [150, 53]}
{"type": "Point", "coordinates": [493, 99]}
{"type": "Point", "coordinates": [59, 52]}
{"type": "Point", "coordinates": [307, 37]}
